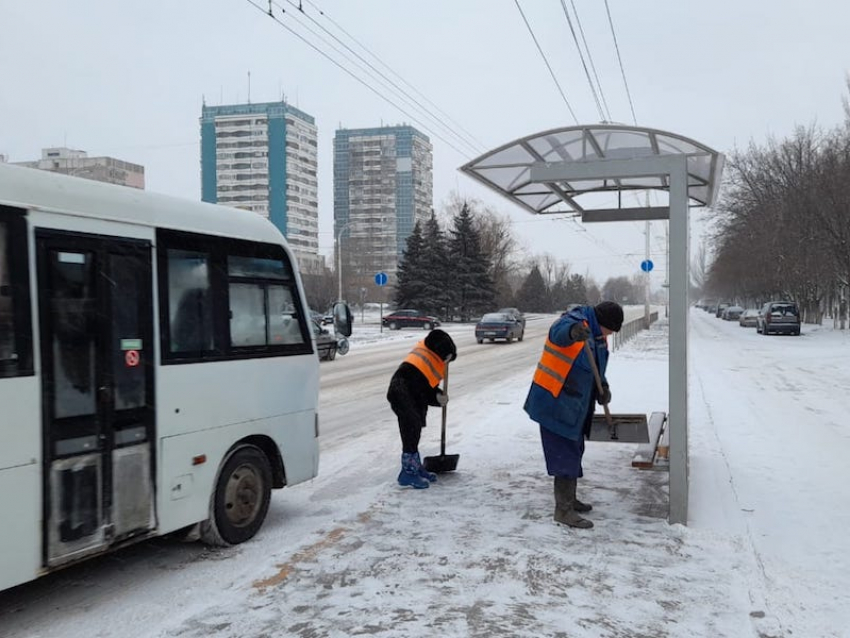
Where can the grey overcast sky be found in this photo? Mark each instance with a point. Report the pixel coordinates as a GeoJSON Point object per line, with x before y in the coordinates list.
{"type": "Point", "coordinates": [127, 79]}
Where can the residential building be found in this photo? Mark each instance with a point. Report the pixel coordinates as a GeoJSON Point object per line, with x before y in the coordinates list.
{"type": "Point", "coordinates": [77, 163]}
{"type": "Point", "coordinates": [383, 185]}
{"type": "Point", "coordinates": [263, 157]}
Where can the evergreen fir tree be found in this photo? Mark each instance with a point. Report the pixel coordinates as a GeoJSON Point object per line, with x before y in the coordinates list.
{"type": "Point", "coordinates": [576, 290]}
{"type": "Point", "coordinates": [434, 271]}
{"type": "Point", "coordinates": [473, 292]}
{"type": "Point", "coordinates": [410, 286]}
{"type": "Point", "coordinates": [533, 295]}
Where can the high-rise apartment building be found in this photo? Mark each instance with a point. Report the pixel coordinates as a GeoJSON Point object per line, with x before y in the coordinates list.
{"type": "Point", "coordinates": [263, 158]}
{"type": "Point", "coordinates": [77, 163]}
{"type": "Point", "coordinates": [383, 185]}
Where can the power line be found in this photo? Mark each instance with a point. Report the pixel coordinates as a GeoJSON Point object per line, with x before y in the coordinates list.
{"type": "Point", "coordinates": [400, 91]}
{"type": "Point", "coordinates": [583, 63]}
{"type": "Point", "coordinates": [469, 135]}
{"type": "Point", "coordinates": [590, 58]}
{"type": "Point", "coordinates": [620, 60]}
{"type": "Point", "coordinates": [548, 66]}
{"type": "Point", "coordinates": [353, 75]}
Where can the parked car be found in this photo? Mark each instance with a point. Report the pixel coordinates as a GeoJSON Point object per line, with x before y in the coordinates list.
{"type": "Point", "coordinates": [779, 316]}
{"type": "Point", "coordinates": [732, 313]}
{"type": "Point", "coordinates": [749, 318]}
{"type": "Point", "coordinates": [720, 308]}
{"type": "Point", "coordinates": [499, 325]}
{"type": "Point", "coordinates": [326, 343]}
{"type": "Point", "coordinates": [515, 313]}
{"type": "Point", "coordinates": [409, 319]}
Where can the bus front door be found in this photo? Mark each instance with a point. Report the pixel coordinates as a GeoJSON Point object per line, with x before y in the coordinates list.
{"type": "Point", "coordinates": [96, 314]}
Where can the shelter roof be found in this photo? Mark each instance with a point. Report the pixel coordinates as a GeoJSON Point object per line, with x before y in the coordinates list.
{"type": "Point", "coordinates": [508, 168]}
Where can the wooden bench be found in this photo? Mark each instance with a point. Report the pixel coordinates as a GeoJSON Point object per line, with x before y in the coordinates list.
{"type": "Point", "coordinates": [647, 456]}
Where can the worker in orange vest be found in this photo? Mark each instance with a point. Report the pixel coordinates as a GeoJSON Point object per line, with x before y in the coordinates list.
{"type": "Point", "coordinates": [413, 387]}
{"type": "Point", "coordinates": [561, 398]}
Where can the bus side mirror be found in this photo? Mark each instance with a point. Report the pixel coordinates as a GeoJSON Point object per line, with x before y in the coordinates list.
{"type": "Point", "coordinates": [342, 318]}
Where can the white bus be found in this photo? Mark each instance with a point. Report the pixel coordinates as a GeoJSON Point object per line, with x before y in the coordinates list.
{"type": "Point", "coordinates": [157, 370]}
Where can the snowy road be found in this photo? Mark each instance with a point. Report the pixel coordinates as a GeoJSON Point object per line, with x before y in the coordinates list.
{"type": "Point", "coordinates": [478, 555]}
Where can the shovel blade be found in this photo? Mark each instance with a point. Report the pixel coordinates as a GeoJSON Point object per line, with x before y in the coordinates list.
{"type": "Point", "coordinates": [442, 463]}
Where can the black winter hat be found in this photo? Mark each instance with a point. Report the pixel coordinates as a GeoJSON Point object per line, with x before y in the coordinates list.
{"type": "Point", "coordinates": [440, 343]}
{"type": "Point", "coordinates": [609, 315]}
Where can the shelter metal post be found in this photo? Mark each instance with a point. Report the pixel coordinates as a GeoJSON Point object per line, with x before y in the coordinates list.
{"type": "Point", "coordinates": [678, 340]}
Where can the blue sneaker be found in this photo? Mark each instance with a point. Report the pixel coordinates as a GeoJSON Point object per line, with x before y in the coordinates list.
{"type": "Point", "coordinates": [409, 475]}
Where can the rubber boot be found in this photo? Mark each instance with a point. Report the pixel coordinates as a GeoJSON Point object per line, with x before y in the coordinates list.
{"type": "Point", "coordinates": [565, 497]}
{"type": "Point", "coordinates": [409, 475]}
{"type": "Point", "coordinates": [580, 507]}
{"type": "Point", "coordinates": [428, 476]}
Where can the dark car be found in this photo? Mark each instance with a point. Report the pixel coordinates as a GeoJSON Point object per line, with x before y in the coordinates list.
{"type": "Point", "coordinates": [515, 313]}
{"type": "Point", "coordinates": [326, 344]}
{"type": "Point", "coordinates": [732, 313]}
{"type": "Point", "coordinates": [779, 316]}
{"type": "Point", "coordinates": [409, 319]}
{"type": "Point", "coordinates": [499, 325]}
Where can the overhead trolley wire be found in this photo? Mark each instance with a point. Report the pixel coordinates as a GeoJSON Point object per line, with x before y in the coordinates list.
{"type": "Point", "coordinates": [269, 13]}
{"type": "Point", "coordinates": [399, 90]}
{"type": "Point", "coordinates": [477, 143]}
{"type": "Point", "coordinates": [583, 63]}
{"type": "Point", "coordinates": [545, 59]}
{"type": "Point", "coordinates": [620, 60]}
{"type": "Point", "coordinates": [590, 59]}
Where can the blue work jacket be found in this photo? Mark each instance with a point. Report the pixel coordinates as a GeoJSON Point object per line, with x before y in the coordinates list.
{"type": "Point", "coordinates": [565, 415]}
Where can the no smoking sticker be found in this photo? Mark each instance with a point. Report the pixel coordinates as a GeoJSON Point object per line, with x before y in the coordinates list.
{"type": "Point", "coordinates": [131, 358]}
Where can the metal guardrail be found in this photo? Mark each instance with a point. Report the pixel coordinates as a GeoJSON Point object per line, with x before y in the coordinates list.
{"type": "Point", "coordinates": [631, 328]}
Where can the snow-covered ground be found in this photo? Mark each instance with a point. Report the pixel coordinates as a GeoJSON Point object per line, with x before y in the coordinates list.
{"type": "Point", "coordinates": [765, 553]}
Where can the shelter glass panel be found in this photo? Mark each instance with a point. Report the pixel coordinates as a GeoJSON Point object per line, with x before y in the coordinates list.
{"type": "Point", "coordinates": [512, 155]}
{"type": "Point", "coordinates": [507, 178]}
{"type": "Point", "coordinates": [670, 145]}
{"type": "Point", "coordinates": [623, 143]}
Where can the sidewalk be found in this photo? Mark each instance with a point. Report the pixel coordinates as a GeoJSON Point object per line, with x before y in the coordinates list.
{"type": "Point", "coordinates": [479, 555]}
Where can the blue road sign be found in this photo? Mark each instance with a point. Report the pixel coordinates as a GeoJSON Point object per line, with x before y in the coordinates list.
{"type": "Point", "coordinates": [646, 265]}
{"type": "Point", "coordinates": [381, 278]}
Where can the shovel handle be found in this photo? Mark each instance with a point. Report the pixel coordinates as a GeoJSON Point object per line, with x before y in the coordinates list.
{"type": "Point", "coordinates": [445, 408]}
{"type": "Point", "coordinates": [612, 429]}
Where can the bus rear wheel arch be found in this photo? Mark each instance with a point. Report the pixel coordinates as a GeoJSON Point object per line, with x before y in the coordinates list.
{"type": "Point", "coordinates": [240, 500]}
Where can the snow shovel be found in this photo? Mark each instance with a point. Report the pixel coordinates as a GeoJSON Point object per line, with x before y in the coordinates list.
{"type": "Point", "coordinates": [444, 462]}
{"type": "Point", "coordinates": [612, 428]}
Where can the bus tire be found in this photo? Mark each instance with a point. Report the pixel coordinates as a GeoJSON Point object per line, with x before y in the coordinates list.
{"type": "Point", "coordinates": [239, 504]}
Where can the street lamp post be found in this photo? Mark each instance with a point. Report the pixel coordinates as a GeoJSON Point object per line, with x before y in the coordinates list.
{"type": "Point", "coordinates": [339, 256]}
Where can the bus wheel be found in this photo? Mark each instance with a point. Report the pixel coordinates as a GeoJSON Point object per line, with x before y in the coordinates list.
{"type": "Point", "coordinates": [241, 498]}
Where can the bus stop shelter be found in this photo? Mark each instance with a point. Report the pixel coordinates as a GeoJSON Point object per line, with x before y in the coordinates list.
{"type": "Point", "coordinates": [584, 171]}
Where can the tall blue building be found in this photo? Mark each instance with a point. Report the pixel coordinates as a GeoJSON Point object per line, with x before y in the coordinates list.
{"type": "Point", "coordinates": [383, 185]}
{"type": "Point", "coordinates": [263, 157]}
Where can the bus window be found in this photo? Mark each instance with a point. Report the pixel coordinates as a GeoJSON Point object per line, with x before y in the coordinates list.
{"type": "Point", "coordinates": [228, 299]}
{"type": "Point", "coordinates": [15, 337]}
{"type": "Point", "coordinates": [7, 317]}
{"type": "Point", "coordinates": [283, 317]}
{"type": "Point", "coordinates": [189, 302]}
{"type": "Point", "coordinates": [262, 309]}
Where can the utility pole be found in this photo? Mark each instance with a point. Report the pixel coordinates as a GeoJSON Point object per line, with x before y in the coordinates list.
{"type": "Point", "coordinates": [646, 292]}
{"type": "Point", "coordinates": [666, 269]}
{"type": "Point", "coordinates": [339, 256]}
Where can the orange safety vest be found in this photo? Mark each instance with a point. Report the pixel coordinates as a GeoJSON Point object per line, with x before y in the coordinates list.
{"type": "Point", "coordinates": [427, 363]}
{"type": "Point", "coordinates": [555, 364]}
